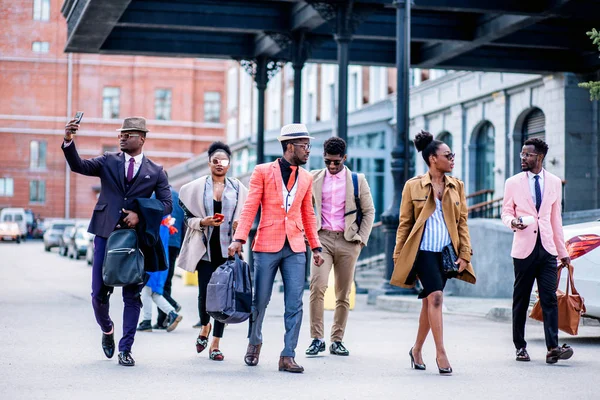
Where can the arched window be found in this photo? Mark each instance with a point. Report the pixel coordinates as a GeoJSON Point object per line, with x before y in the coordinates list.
{"type": "Point", "coordinates": [446, 137]}
{"type": "Point", "coordinates": [484, 157]}
{"type": "Point", "coordinates": [534, 125]}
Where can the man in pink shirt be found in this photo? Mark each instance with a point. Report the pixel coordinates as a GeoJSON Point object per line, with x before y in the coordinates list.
{"type": "Point", "coordinates": [344, 225]}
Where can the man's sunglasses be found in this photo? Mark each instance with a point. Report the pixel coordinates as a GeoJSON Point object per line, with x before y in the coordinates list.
{"type": "Point", "coordinates": [126, 136]}
{"type": "Point", "coordinates": [223, 163]}
{"type": "Point", "coordinates": [335, 162]}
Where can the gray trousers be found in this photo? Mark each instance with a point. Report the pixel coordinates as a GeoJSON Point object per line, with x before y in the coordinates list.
{"type": "Point", "coordinates": [292, 271]}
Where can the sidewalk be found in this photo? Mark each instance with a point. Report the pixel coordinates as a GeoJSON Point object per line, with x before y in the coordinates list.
{"type": "Point", "coordinates": [494, 309]}
{"type": "Point", "coordinates": [499, 310]}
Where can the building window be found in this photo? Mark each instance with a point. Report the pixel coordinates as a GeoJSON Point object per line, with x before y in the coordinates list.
{"type": "Point", "coordinates": [41, 10]}
{"type": "Point", "coordinates": [7, 186]}
{"type": "Point", "coordinates": [534, 126]}
{"type": "Point", "coordinates": [40, 47]}
{"type": "Point", "coordinates": [109, 149]}
{"type": "Point", "coordinates": [110, 102]}
{"type": "Point", "coordinates": [212, 107]}
{"type": "Point", "coordinates": [484, 157]}
{"type": "Point", "coordinates": [37, 154]}
{"type": "Point", "coordinates": [162, 104]}
{"type": "Point", "coordinates": [37, 191]}
{"type": "Point", "coordinates": [446, 137]}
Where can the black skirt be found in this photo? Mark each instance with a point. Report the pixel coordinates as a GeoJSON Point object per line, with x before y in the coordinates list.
{"type": "Point", "coordinates": [428, 269]}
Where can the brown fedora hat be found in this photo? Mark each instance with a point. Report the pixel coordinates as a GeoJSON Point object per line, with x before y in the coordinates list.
{"type": "Point", "coordinates": [134, 124]}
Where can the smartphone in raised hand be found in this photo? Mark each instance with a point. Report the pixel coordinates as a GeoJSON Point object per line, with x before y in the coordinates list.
{"type": "Point", "coordinates": [78, 117]}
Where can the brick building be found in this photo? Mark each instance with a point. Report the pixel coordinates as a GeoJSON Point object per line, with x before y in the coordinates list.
{"type": "Point", "coordinates": [41, 87]}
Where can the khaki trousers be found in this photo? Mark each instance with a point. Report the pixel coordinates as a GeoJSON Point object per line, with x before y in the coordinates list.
{"type": "Point", "coordinates": [341, 255]}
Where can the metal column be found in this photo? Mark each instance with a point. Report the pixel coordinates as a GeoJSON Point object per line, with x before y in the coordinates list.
{"type": "Point", "coordinates": [261, 79]}
{"type": "Point", "coordinates": [343, 37]}
{"type": "Point", "coordinates": [401, 150]}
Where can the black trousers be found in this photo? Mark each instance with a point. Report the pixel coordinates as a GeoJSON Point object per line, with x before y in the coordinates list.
{"type": "Point", "coordinates": [205, 270]}
{"type": "Point", "coordinates": [173, 254]}
{"type": "Point", "coordinates": [540, 266]}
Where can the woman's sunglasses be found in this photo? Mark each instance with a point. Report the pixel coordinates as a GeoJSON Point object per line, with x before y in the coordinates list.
{"type": "Point", "coordinates": [449, 156]}
{"type": "Point", "coordinates": [223, 163]}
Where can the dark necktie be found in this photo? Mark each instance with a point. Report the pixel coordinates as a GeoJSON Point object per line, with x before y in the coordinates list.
{"type": "Point", "coordinates": [130, 169]}
{"type": "Point", "coordinates": [292, 179]}
{"type": "Point", "coordinates": [538, 193]}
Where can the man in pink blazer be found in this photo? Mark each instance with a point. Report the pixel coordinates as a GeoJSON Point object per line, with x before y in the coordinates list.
{"type": "Point", "coordinates": [532, 209]}
{"type": "Point", "coordinates": [284, 192]}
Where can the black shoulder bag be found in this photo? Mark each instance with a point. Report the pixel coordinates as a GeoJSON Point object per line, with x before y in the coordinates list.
{"type": "Point", "coordinates": [123, 260]}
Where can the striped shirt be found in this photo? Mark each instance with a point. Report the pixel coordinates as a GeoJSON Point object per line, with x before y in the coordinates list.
{"type": "Point", "coordinates": [435, 236]}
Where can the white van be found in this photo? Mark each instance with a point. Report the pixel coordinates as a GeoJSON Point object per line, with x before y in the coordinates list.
{"type": "Point", "coordinates": [15, 215]}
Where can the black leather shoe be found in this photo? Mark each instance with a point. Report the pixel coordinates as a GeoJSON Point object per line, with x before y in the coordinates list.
{"type": "Point", "coordinates": [108, 344]}
{"type": "Point", "coordinates": [338, 349]}
{"type": "Point", "coordinates": [125, 359]}
{"type": "Point", "coordinates": [522, 354]}
{"type": "Point", "coordinates": [159, 326]}
{"type": "Point", "coordinates": [145, 326]}
{"type": "Point", "coordinates": [316, 347]}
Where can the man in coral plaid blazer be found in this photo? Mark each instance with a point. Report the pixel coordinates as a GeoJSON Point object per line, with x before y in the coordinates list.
{"type": "Point", "coordinates": [284, 191]}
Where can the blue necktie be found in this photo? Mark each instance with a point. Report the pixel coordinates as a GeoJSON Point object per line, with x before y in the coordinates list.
{"type": "Point", "coordinates": [538, 193]}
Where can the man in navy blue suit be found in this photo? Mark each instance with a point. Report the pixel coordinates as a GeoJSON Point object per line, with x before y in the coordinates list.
{"type": "Point", "coordinates": [124, 177]}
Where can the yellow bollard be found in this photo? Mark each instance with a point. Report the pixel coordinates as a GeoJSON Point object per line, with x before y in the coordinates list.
{"type": "Point", "coordinates": [330, 293]}
{"type": "Point", "coordinates": [189, 278]}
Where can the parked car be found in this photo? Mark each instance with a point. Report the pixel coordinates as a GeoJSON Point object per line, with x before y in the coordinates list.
{"type": "Point", "coordinates": [89, 255]}
{"type": "Point", "coordinates": [17, 215]}
{"type": "Point", "coordinates": [54, 232]}
{"type": "Point", "coordinates": [10, 231]}
{"type": "Point", "coordinates": [78, 243]}
{"type": "Point", "coordinates": [583, 242]}
{"type": "Point", "coordinates": [65, 239]}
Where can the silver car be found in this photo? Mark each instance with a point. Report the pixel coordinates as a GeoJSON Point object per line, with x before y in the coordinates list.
{"type": "Point", "coordinates": [54, 233]}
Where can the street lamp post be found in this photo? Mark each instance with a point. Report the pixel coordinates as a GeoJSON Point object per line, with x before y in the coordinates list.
{"type": "Point", "coordinates": [401, 150]}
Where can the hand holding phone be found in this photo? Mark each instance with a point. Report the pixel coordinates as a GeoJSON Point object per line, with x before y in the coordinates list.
{"type": "Point", "coordinates": [78, 117]}
{"type": "Point", "coordinates": [219, 217]}
{"type": "Point", "coordinates": [72, 126]}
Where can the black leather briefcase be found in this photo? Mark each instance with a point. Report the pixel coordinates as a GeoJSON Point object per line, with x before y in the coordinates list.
{"type": "Point", "coordinates": [123, 260]}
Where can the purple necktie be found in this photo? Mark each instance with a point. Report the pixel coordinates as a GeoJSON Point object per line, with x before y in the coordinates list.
{"type": "Point", "coordinates": [130, 169]}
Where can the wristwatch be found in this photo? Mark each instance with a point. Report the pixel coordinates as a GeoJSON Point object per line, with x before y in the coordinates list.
{"type": "Point", "coordinates": [239, 241]}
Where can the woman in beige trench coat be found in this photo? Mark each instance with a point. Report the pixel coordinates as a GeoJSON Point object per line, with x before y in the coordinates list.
{"type": "Point", "coordinates": [433, 214]}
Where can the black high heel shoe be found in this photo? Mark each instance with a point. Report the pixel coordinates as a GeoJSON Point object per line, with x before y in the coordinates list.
{"type": "Point", "coordinates": [443, 371]}
{"type": "Point", "coordinates": [413, 364]}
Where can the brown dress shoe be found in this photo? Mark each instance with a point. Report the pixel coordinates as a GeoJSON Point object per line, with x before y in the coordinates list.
{"type": "Point", "coordinates": [289, 364]}
{"type": "Point", "coordinates": [252, 354]}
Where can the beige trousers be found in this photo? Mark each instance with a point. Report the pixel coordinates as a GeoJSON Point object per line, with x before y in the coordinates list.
{"type": "Point", "coordinates": [341, 255]}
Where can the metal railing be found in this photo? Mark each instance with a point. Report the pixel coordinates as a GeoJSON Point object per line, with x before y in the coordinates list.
{"type": "Point", "coordinates": [486, 209]}
{"type": "Point", "coordinates": [374, 253]}
{"type": "Point", "coordinates": [480, 196]}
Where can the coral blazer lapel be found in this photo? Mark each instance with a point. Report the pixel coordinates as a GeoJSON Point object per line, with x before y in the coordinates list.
{"type": "Point", "coordinates": [277, 178]}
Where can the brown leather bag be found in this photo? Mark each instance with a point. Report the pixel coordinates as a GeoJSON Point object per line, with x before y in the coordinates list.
{"type": "Point", "coordinates": [570, 305]}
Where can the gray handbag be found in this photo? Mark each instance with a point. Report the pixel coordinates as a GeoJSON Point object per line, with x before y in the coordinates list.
{"type": "Point", "coordinates": [229, 292]}
{"type": "Point", "coordinates": [123, 260]}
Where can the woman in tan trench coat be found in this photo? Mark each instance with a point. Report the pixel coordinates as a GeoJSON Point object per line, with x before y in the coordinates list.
{"type": "Point", "coordinates": [433, 214]}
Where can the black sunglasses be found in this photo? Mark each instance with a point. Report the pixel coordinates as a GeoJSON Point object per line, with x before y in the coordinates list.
{"type": "Point", "coordinates": [449, 156]}
{"type": "Point", "coordinates": [335, 162]}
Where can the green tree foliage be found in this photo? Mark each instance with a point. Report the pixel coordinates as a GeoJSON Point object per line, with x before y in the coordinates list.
{"type": "Point", "coordinates": [593, 87]}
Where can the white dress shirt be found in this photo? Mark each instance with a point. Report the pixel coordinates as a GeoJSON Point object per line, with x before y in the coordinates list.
{"type": "Point", "coordinates": [531, 177]}
{"type": "Point", "coordinates": [136, 165]}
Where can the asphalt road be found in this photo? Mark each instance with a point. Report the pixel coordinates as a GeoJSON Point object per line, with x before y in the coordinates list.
{"type": "Point", "coordinates": [50, 349]}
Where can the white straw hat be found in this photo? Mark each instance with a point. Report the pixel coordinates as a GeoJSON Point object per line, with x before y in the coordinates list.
{"type": "Point", "coordinates": [294, 131]}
